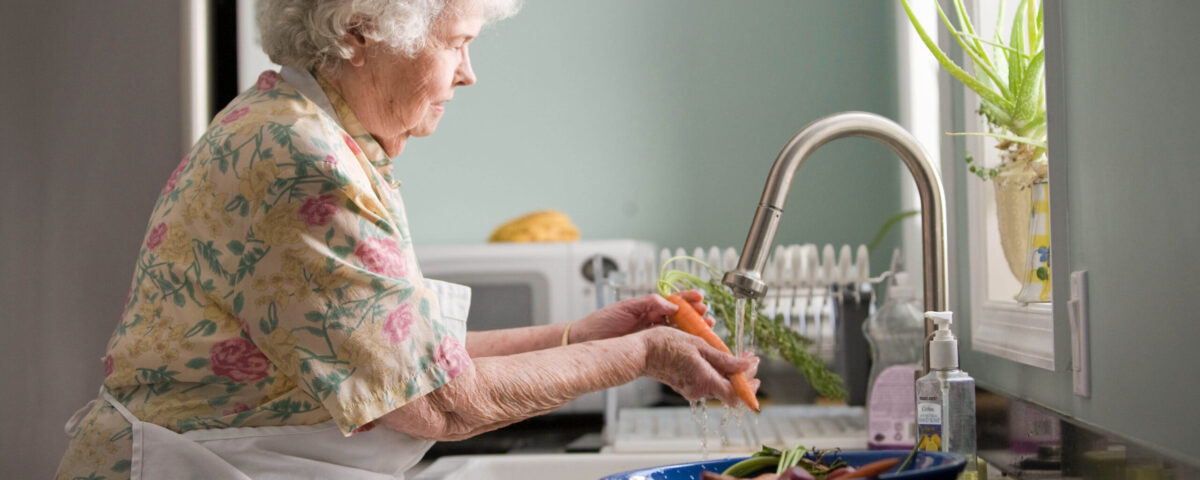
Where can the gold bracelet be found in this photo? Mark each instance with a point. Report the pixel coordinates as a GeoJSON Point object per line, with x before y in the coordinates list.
{"type": "Point", "coordinates": [567, 334]}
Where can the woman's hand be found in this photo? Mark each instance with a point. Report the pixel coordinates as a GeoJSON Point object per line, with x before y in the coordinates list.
{"type": "Point", "coordinates": [694, 368]}
{"type": "Point", "coordinates": [632, 315]}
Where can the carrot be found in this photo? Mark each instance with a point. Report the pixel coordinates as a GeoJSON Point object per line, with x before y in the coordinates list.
{"type": "Point", "coordinates": [874, 469]}
{"type": "Point", "coordinates": [690, 321]}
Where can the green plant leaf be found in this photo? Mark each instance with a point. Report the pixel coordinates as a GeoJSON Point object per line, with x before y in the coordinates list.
{"type": "Point", "coordinates": [966, 78]}
{"type": "Point", "coordinates": [1016, 64]}
{"type": "Point", "coordinates": [993, 44]}
{"type": "Point", "coordinates": [1034, 22]}
{"type": "Point", "coordinates": [1001, 136]}
{"type": "Point", "coordinates": [889, 224]}
{"type": "Point", "coordinates": [1027, 105]}
{"type": "Point", "coordinates": [974, 49]}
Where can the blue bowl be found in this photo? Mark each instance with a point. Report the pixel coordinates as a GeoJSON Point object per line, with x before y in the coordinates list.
{"type": "Point", "coordinates": [926, 466]}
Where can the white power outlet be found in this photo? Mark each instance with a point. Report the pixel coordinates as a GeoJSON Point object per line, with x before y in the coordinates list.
{"type": "Point", "coordinates": [1077, 312]}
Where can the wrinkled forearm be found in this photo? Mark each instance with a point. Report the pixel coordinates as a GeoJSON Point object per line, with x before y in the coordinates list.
{"type": "Point", "coordinates": [511, 341]}
{"type": "Point", "coordinates": [501, 390]}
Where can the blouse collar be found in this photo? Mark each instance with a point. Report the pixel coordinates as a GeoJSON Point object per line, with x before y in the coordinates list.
{"type": "Point", "coordinates": [330, 100]}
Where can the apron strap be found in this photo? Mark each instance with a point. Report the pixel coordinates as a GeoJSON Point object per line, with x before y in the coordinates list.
{"type": "Point", "coordinates": [120, 408]}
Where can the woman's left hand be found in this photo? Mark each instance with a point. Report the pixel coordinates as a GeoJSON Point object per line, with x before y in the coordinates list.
{"type": "Point", "coordinates": [632, 315]}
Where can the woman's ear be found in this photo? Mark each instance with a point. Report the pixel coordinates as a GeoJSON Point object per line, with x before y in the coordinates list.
{"type": "Point", "coordinates": [358, 44]}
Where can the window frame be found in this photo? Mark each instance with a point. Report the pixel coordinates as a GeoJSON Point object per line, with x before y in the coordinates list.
{"type": "Point", "coordinates": [1023, 333]}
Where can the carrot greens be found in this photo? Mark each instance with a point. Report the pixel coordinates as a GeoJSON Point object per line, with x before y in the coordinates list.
{"type": "Point", "coordinates": [773, 337]}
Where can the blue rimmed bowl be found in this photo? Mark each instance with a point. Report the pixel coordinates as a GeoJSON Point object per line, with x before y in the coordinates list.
{"type": "Point", "coordinates": [926, 466]}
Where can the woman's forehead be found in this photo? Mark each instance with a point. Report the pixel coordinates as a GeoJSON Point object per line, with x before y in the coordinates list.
{"type": "Point", "coordinates": [460, 24]}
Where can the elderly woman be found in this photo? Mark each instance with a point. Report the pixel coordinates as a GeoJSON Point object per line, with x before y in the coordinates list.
{"type": "Point", "coordinates": [278, 325]}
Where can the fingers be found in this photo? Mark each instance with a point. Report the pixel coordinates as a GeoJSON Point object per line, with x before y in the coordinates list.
{"type": "Point", "coordinates": [728, 364]}
{"type": "Point", "coordinates": [695, 298]}
{"type": "Point", "coordinates": [753, 370]}
{"type": "Point", "coordinates": [697, 370]}
{"type": "Point", "coordinates": [692, 296]}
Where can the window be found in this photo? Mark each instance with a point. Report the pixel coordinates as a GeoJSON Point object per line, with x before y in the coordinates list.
{"type": "Point", "coordinates": [999, 324]}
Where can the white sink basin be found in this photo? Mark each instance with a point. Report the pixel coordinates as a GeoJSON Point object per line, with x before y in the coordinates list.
{"type": "Point", "coordinates": [548, 466]}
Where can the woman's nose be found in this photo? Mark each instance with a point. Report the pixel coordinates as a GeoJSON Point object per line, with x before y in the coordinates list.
{"type": "Point", "coordinates": [465, 75]}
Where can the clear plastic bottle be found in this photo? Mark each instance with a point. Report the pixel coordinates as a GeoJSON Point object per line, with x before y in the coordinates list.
{"type": "Point", "coordinates": [896, 335]}
{"type": "Point", "coordinates": [946, 398]}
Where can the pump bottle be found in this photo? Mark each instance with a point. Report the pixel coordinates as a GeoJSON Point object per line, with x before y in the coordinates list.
{"type": "Point", "coordinates": [946, 397]}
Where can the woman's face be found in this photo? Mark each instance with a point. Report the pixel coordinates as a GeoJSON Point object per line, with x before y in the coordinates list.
{"type": "Point", "coordinates": [396, 97]}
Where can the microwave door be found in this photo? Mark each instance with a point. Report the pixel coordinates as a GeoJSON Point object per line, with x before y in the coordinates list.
{"type": "Point", "coordinates": [509, 300]}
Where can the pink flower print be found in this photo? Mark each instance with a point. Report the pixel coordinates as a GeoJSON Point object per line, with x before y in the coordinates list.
{"type": "Point", "coordinates": [331, 161]}
{"type": "Point", "coordinates": [245, 326]}
{"type": "Point", "coordinates": [352, 144]}
{"type": "Point", "coordinates": [317, 211]}
{"type": "Point", "coordinates": [364, 428]}
{"type": "Point", "coordinates": [267, 80]}
{"type": "Point", "coordinates": [170, 186]}
{"type": "Point", "coordinates": [239, 360]}
{"type": "Point", "coordinates": [157, 234]}
{"type": "Point", "coordinates": [234, 115]}
{"type": "Point", "coordinates": [239, 408]}
{"type": "Point", "coordinates": [108, 365]}
{"type": "Point", "coordinates": [395, 328]}
{"type": "Point", "coordinates": [383, 256]}
{"type": "Point", "coordinates": [452, 357]}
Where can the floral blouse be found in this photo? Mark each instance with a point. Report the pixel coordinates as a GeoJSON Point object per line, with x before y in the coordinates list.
{"type": "Point", "coordinates": [276, 286]}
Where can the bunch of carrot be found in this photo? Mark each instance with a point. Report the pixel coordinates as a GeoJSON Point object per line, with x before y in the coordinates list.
{"type": "Point", "coordinates": [690, 321]}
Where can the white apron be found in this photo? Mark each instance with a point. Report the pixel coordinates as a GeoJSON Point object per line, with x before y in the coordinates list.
{"type": "Point", "coordinates": [289, 452]}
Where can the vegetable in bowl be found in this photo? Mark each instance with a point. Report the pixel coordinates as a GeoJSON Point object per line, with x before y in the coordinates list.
{"type": "Point", "coordinates": [816, 464]}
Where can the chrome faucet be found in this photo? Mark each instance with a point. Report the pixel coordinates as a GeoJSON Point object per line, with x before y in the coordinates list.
{"type": "Point", "coordinates": [746, 281]}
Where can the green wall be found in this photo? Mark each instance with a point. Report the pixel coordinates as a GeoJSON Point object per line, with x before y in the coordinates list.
{"type": "Point", "coordinates": [1124, 171]}
{"type": "Point", "coordinates": [659, 120]}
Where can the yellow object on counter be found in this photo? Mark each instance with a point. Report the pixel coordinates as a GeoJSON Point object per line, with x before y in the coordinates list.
{"type": "Point", "coordinates": [539, 226]}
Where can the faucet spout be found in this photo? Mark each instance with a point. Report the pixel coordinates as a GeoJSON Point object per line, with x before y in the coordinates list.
{"type": "Point", "coordinates": [746, 280]}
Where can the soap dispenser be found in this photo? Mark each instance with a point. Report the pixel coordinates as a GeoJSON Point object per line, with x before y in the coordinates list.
{"type": "Point", "coordinates": [946, 397]}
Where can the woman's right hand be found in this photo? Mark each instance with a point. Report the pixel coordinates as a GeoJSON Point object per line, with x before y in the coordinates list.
{"type": "Point", "coordinates": [694, 368]}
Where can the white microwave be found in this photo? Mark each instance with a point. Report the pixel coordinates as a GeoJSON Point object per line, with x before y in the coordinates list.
{"type": "Point", "coordinates": [524, 284]}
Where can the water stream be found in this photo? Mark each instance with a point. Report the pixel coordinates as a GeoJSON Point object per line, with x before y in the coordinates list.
{"type": "Point", "coordinates": [700, 416]}
{"type": "Point", "coordinates": [731, 415]}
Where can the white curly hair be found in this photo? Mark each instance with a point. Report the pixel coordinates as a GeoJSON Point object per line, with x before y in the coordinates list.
{"type": "Point", "coordinates": [310, 34]}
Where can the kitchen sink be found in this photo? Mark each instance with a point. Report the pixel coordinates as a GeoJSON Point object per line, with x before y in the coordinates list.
{"type": "Point", "coordinates": [548, 466]}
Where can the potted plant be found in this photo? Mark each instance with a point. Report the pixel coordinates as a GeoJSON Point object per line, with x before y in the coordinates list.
{"type": "Point", "coordinates": [1010, 82]}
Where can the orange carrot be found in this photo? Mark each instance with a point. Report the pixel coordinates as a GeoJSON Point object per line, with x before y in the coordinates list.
{"type": "Point", "coordinates": [874, 469]}
{"type": "Point", "coordinates": [690, 321]}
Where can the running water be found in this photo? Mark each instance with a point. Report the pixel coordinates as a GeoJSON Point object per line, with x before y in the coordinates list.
{"type": "Point", "coordinates": [752, 313]}
{"type": "Point", "coordinates": [736, 415]}
{"type": "Point", "coordinates": [739, 320]}
{"type": "Point", "coordinates": [744, 338]}
{"type": "Point", "coordinates": [700, 415]}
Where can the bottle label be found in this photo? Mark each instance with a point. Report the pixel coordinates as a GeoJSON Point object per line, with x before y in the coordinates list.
{"type": "Point", "coordinates": [929, 426]}
{"type": "Point", "coordinates": [891, 410]}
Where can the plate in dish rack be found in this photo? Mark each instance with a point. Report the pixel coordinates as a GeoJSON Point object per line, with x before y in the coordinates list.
{"type": "Point", "coordinates": [926, 466]}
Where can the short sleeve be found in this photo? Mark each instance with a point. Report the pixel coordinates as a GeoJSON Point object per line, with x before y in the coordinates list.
{"type": "Point", "coordinates": [326, 280]}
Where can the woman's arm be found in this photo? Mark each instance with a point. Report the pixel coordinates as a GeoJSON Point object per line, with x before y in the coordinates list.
{"type": "Point", "coordinates": [501, 390]}
{"type": "Point", "coordinates": [618, 319]}
{"type": "Point", "coordinates": [509, 341]}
